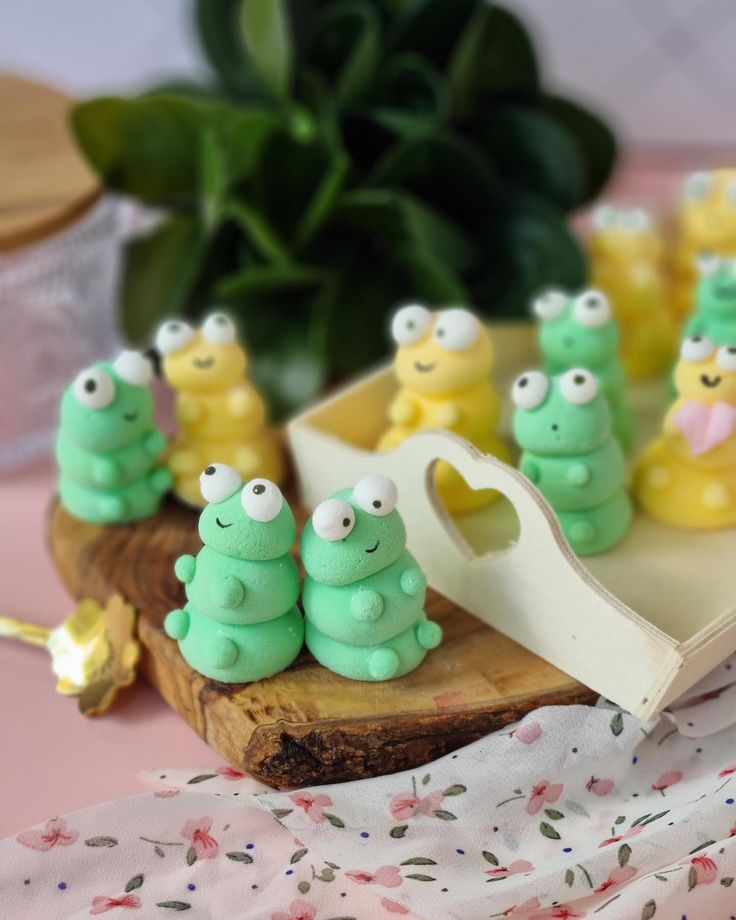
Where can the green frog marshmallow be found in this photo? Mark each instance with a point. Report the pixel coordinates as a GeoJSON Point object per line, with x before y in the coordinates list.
{"type": "Point", "coordinates": [108, 446]}
{"type": "Point", "coordinates": [580, 331]}
{"type": "Point", "coordinates": [563, 426]}
{"type": "Point", "coordinates": [364, 593]}
{"type": "Point", "coordinates": [240, 622]}
{"type": "Point", "coordinates": [715, 304]}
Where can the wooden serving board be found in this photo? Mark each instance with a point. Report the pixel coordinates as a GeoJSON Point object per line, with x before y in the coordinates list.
{"type": "Point", "coordinates": [308, 725]}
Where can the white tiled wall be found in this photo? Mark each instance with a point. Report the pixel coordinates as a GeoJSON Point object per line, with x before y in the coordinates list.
{"type": "Point", "coordinates": [664, 70]}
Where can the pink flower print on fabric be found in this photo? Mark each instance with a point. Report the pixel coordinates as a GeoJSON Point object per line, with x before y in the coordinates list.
{"type": "Point", "coordinates": [527, 733]}
{"type": "Point", "coordinates": [666, 780]}
{"type": "Point", "coordinates": [599, 786]}
{"type": "Point", "coordinates": [543, 793]}
{"type": "Point", "coordinates": [631, 832]}
{"type": "Point", "coordinates": [298, 910]}
{"type": "Point", "coordinates": [205, 845]}
{"type": "Point", "coordinates": [387, 876]}
{"type": "Point", "coordinates": [618, 876]}
{"type": "Point", "coordinates": [558, 912]}
{"type": "Point", "coordinates": [514, 868]}
{"type": "Point", "coordinates": [54, 833]}
{"type": "Point", "coordinates": [703, 869]}
{"type": "Point", "coordinates": [231, 773]}
{"type": "Point", "coordinates": [529, 904]}
{"type": "Point", "coordinates": [101, 905]}
{"type": "Point", "coordinates": [393, 907]}
{"type": "Point", "coordinates": [409, 805]}
{"type": "Point", "coordinates": [312, 805]}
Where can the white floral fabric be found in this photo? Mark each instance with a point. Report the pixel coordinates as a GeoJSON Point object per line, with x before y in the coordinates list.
{"type": "Point", "coordinates": [572, 813]}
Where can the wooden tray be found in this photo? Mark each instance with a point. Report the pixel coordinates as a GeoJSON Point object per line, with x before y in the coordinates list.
{"type": "Point", "coordinates": [307, 725]}
{"type": "Point", "coordinates": [640, 623]}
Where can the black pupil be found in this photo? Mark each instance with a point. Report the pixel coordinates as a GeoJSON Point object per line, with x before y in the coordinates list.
{"type": "Point", "coordinates": [523, 382]}
{"type": "Point", "coordinates": [732, 351]}
{"type": "Point", "coordinates": [410, 324]}
{"type": "Point", "coordinates": [259, 489]}
{"type": "Point", "coordinates": [376, 504]}
{"type": "Point", "coordinates": [210, 471]}
{"type": "Point", "coordinates": [579, 379]}
{"type": "Point", "coordinates": [221, 320]}
{"type": "Point", "coordinates": [592, 302]}
{"type": "Point", "coordinates": [173, 327]}
{"type": "Point", "coordinates": [346, 522]}
{"type": "Point", "coordinates": [89, 386]}
{"type": "Point", "coordinates": [696, 338]}
{"type": "Point", "coordinates": [440, 332]}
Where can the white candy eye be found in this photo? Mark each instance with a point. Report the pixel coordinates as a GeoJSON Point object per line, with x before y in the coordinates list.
{"type": "Point", "coordinates": [219, 482]}
{"type": "Point", "coordinates": [410, 324]}
{"type": "Point", "coordinates": [579, 386]}
{"type": "Point", "coordinates": [456, 329]}
{"type": "Point", "coordinates": [726, 358]}
{"type": "Point", "coordinates": [708, 263]}
{"type": "Point", "coordinates": [333, 519]}
{"type": "Point", "coordinates": [592, 309]}
{"type": "Point", "coordinates": [261, 500]}
{"type": "Point", "coordinates": [530, 389]}
{"type": "Point", "coordinates": [637, 220]}
{"type": "Point", "coordinates": [133, 368]}
{"type": "Point", "coordinates": [173, 336]}
{"type": "Point", "coordinates": [698, 186]}
{"type": "Point", "coordinates": [94, 388]}
{"type": "Point", "coordinates": [219, 329]}
{"type": "Point", "coordinates": [696, 348]}
{"type": "Point", "coordinates": [550, 304]}
{"type": "Point", "coordinates": [376, 495]}
{"type": "Point", "coordinates": [605, 217]}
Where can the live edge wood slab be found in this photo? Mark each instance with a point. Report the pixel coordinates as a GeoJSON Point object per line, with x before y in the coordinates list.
{"type": "Point", "coordinates": [307, 725]}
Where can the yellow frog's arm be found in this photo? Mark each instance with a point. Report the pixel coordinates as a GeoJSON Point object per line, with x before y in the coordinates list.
{"type": "Point", "coordinates": [189, 409]}
{"type": "Point", "coordinates": [449, 415]}
{"type": "Point", "coordinates": [403, 410]}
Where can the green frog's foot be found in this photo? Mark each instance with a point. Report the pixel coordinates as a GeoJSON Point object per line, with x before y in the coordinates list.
{"type": "Point", "coordinates": [223, 653]}
{"type": "Point", "coordinates": [429, 634]}
{"type": "Point", "coordinates": [383, 664]}
{"type": "Point", "coordinates": [366, 605]}
{"type": "Point", "coordinates": [176, 623]}
{"type": "Point", "coordinates": [111, 507]}
{"type": "Point", "coordinates": [581, 534]}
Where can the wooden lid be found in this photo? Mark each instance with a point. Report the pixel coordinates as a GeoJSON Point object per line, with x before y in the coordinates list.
{"type": "Point", "coordinates": [46, 183]}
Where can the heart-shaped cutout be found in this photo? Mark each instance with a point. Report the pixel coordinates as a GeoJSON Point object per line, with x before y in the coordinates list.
{"type": "Point", "coordinates": [484, 521]}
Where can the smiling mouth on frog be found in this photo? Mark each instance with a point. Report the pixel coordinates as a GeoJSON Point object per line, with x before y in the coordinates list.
{"type": "Point", "coordinates": [373, 548]}
{"type": "Point", "coordinates": [130, 416]}
{"type": "Point", "coordinates": [424, 368]}
{"type": "Point", "coordinates": [220, 524]}
{"type": "Point", "coordinates": [203, 363]}
{"type": "Point", "coordinates": [710, 382]}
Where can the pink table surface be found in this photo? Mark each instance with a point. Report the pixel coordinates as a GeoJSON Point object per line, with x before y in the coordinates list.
{"type": "Point", "coordinates": [52, 759]}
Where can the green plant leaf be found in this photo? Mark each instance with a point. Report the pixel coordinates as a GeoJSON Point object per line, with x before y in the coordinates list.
{"type": "Point", "coordinates": [534, 152]}
{"type": "Point", "coordinates": [221, 39]}
{"type": "Point", "coordinates": [256, 228]}
{"type": "Point", "coordinates": [150, 147]}
{"type": "Point", "coordinates": [345, 46]}
{"type": "Point", "coordinates": [595, 140]}
{"type": "Point", "coordinates": [529, 246]}
{"type": "Point", "coordinates": [160, 272]}
{"type": "Point", "coordinates": [265, 31]}
{"type": "Point", "coordinates": [431, 28]}
{"type": "Point", "coordinates": [259, 279]}
{"type": "Point", "coordinates": [494, 58]}
{"type": "Point", "coordinates": [411, 84]}
{"type": "Point", "coordinates": [214, 179]}
{"type": "Point", "coordinates": [323, 200]}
